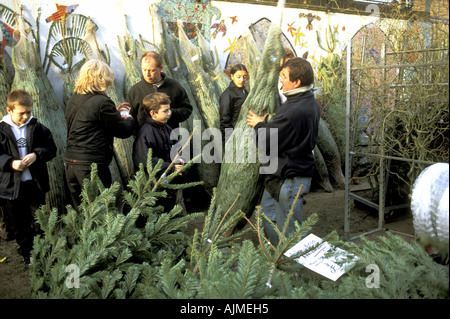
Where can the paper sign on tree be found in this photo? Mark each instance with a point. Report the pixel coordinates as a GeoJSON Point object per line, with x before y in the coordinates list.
{"type": "Point", "coordinates": [316, 259]}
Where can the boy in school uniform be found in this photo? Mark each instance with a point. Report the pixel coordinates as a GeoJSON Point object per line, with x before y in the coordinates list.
{"type": "Point", "coordinates": [155, 134]}
{"type": "Point", "coordinates": [26, 146]}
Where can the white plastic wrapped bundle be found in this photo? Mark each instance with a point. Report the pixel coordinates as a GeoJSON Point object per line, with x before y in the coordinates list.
{"type": "Point", "coordinates": [430, 203]}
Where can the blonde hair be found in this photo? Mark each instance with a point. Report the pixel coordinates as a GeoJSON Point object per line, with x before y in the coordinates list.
{"type": "Point", "coordinates": [95, 76]}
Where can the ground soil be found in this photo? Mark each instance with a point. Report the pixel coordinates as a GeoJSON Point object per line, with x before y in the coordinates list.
{"type": "Point", "coordinates": [330, 208]}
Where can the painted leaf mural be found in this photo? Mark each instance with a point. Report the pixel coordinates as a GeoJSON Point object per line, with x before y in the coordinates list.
{"type": "Point", "coordinates": [190, 13]}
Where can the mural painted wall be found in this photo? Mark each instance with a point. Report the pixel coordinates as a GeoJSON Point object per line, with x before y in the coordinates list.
{"type": "Point", "coordinates": [222, 23]}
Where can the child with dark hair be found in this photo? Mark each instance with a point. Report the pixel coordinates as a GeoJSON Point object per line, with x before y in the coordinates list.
{"type": "Point", "coordinates": [232, 98]}
{"type": "Point", "coordinates": [25, 148]}
{"type": "Point", "coordinates": [155, 134]}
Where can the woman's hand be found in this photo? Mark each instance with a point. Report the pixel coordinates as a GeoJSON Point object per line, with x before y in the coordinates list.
{"type": "Point", "coordinates": [124, 109]}
{"type": "Point", "coordinates": [123, 106]}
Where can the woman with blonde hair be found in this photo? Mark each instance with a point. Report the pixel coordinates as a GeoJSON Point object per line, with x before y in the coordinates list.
{"type": "Point", "coordinates": [93, 121]}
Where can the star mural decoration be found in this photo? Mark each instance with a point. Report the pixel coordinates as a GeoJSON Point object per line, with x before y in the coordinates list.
{"type": "Point", "coordinates": [302, 44]}
{"type": "Point", "coordinates": [233, 19]}
{"type": "Point", "coordinates": [233, 46]}
{"type": "Point", "coordinates": [61, 12]}
{"type": "Point", "coordinates": [297, 35]}
{"type": "Point", "coordinates": [291, 29]}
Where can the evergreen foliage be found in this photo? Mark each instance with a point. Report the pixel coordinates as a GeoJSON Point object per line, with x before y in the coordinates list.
{"type": "Point", "coordinates": [5, 86]}
{"type": "Point", "coordinates": [110, 252]}
{"type": "Point", "coordinates": [263, 98]}
{"type": "Point", "coordinates": [116, 259]}
{"type": "Point", "coordinates": [406, 271]}
{"type": "Point", "coordinates": [331, 77]}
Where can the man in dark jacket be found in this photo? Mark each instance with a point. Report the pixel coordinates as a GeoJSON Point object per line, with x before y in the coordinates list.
{"type": "Point", "coordinates": [296, 126]}
{"type": "Point", "coordinates": [25, 148]}
{"type": "Point", "coordinates": [153, 80]}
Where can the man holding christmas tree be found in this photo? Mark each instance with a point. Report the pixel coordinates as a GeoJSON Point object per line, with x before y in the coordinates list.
{"type": "Point", "coordinates": [296, 125]}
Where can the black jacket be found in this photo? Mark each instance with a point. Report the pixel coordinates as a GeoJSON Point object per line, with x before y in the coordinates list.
{"type": "Point", "coordinates": [230, 103]}
{"type": "Point", "coordinates": [156, 136]}
{"type": "Point", "coordinates": [91, 134]}
{"type": "Point", "coordinates": [297, 124]}
{"type": "Point", "coordinates": [179, 101]}
{"type": "Point", "coordinates": [39, 141]}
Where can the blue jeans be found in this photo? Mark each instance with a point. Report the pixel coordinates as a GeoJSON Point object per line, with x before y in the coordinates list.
{"type": "Point", "coordinates": [277, 211]}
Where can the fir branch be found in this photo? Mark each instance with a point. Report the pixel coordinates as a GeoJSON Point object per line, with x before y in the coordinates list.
{"type": "Point", "coordinates": [168, 277]}
{"type": "Point", "coordinates": [174, 160]}
{"type": "Point", "coordinates": [47, 221]}
{"type": "Point", "coordinates": [123, 256]}
{"type": "Point", "coordinates": [290, 214]}
{"type": "Point", "coordinates": [210, 220]}
{"type": "Point", "coordinates": [224, 221]}
{"type": "Point", "coordinates": [263, 241]}
{"type": "Point", "coordinates": [108, 282]}
{"type": "Point", "coordinates": [129, 282]}
{"type": "Point", "coordinates": [245, 278]}
{"type": "Point", "coordinates": [220, 225]}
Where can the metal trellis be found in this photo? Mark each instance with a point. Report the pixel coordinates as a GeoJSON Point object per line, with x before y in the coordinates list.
{"type": "Point", "coordinates": [384, 159]}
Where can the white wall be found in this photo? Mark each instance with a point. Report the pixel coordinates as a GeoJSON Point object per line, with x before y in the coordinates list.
{"type": "Point", "coordinates": [109, 16]}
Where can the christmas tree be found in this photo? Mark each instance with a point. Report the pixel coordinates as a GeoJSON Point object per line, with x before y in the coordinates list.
{"type": "Point", "coordinates": [101, 253]}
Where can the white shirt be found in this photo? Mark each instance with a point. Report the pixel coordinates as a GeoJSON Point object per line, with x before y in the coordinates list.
{"type": "Point", "coordinates": [20, 133]}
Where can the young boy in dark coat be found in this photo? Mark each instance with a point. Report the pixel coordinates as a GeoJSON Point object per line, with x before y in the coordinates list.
{"type": "Point", "coordinates": [25, 148]}
{"type": "Point", "coordinates": [155, 134]}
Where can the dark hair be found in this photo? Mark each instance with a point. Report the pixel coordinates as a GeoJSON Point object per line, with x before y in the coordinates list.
{"type": "Point", "coordinates": [238, 67]}
{"type": "Point", "coordinates": [300, 69]}
{"type": "Point", "coordinates": [153, 55]}
{"type": "Point", "coordinates": [20, 97]}
{"type": "Point", "coordinates": [153, 101]}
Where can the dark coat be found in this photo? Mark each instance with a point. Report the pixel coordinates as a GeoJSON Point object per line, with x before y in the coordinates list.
{"type": "Point", "coordinates": [156, 136]}
{"type": "Point", "coordinates": [39, 141]}
{"type": "Point", "coordinates": [230, 104]}
{"type": "Point", "coordinates": [297, 124]}
{"type": "Point", "coordinates": [91, 135]}
{"type": "Point", "coordinates": [179, 101]}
